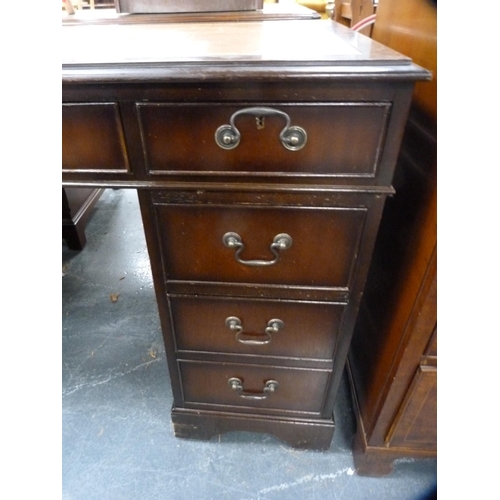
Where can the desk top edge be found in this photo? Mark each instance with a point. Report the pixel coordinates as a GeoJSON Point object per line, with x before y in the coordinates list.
{"type": "Point", "coordinates": [236, 49]}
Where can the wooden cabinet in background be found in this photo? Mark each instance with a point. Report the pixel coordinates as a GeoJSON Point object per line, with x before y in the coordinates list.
{"type": "Point", "coordinates": [77, 204]}
{"type": "Point", "coordinates": [393, 355]}
{"type": "Point", "coordinates": [350, 12]}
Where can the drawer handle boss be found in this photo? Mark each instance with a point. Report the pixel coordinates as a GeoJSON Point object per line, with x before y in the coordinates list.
{"type": "Point", "coordinates": [237, 385]}
{"type": "Point", "coordinates": [281, 242]}
{"type": "Point", "coordinates": [273, 326]}
{"type": "Point", "coordinates": [293, 138]}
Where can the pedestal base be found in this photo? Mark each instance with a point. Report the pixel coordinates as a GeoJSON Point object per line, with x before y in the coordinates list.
{"type": "Point", "coordinates": [306, 434]}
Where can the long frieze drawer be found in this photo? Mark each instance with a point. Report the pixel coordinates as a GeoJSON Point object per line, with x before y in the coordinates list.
{"type": "Point", "coordinates": [279, 246]}
{"type": "Point", "coordinates": [257, 327]}
{"type": "Point", "coordinates": [93, 138]}
{"type": "Point", "coordinates": [334, 139]}
{"type": "Point", "coordinates": [255, 386]}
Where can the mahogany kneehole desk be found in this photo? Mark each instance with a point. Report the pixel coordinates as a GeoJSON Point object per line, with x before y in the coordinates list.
{"type": "Point", "coordinates": [262, 169]}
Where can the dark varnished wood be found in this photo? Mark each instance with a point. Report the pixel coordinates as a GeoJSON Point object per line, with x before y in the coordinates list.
{"type": "Point", "coordinates": [77, 204]}
{"type": "Point", "coordinates": [221, 201]}
{"type": "Point", "coordinates": [324, 244]}
{"type": "Point", "coordinates": [170, 132]}
{"type": "Point", "coordinates": [310, 329]}
{"type": "Point", "coordinates": [211, 161]}
{"type": "Point", "coordinates": [393, 357]}
{"type": "Point", "coordinates": [415, 423]}
{"type": "Point", "coordinates": [394, 340]}
{"type": "Point", "coordinates": [227, 51]}
{"type": "Point", "coordinates": [377, 461]}
{"type": "Point", "coordinates": [165, 93]}
{"type": "Point", "coordinates": [92, 138]}
{"type": "Point", "coordinates": [205, 386]}
{"type": "Point", "coordinates": [302, 433]}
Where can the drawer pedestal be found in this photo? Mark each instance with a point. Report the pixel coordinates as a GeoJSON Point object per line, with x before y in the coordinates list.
{"type": "Point", "coordinates": [220, 310]}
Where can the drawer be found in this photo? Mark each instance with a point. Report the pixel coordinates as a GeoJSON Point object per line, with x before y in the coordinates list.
{"type": "Point", "coordinates": [258, 327]}
{"type": "Point", "coordinates": [342, 139]}
{"type": "Point", "coordinates": [93, 138]}
{"type": "Point", "coordinates": [324, 244]}
{"type": "Point", "coordinates": [300, 390]}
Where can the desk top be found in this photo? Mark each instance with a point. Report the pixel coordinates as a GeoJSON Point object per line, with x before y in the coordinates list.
{"type": "Point", "coordinates": [222, 50]}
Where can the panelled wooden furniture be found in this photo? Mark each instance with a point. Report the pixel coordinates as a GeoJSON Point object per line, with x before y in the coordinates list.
{"type": "Point", "coordinates": [262, 169]}
{"type": "Point", "coordinates": [77, 204]}
{"type": "Point", "coordinates": [393, 356]}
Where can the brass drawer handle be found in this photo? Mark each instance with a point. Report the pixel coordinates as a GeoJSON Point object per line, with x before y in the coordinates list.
{"type": "Point", "coordinates": [292, 138]}
{"type": "Point", "coordinates": [273, 326]}
{"type": "Point", "coordinates": [237, 385]}
{"type": "Point", "coordinates": [281, 241]}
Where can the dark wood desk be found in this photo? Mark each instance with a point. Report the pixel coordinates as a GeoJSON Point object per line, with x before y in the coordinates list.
{"type": "Point", "coordinates": [262, 153]}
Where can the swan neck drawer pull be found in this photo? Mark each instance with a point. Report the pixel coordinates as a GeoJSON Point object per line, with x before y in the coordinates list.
{"type": "Point", "coordinates": [281, 242]}
{"type": "Point", "coordinates": [237, 385]}
{"type": "Point", "coordinates": [292, 138]}
{"type": "Point", "coordinates": [273, 326]}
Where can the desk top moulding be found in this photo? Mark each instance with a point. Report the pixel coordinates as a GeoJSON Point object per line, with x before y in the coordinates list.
{"type": "Point", "coordinates": [229, 51]}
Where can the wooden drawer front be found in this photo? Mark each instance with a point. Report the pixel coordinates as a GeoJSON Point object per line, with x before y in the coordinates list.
{"type": "Point", "coordinates": [325, 244]}
{"type": "Point", "coordinates": [343, 139]}
{"type": "Point", "coordinates": [298, 390]}
{"type": "Point", "coordinates": [92, 138]}
{"type": "Point", "coordinates": [309, 330]}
